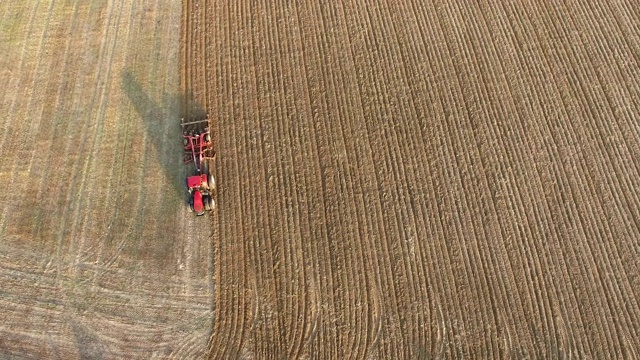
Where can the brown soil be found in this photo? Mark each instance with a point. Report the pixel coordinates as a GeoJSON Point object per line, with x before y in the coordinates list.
{"type": "Point", "coordinates": [405, 180]}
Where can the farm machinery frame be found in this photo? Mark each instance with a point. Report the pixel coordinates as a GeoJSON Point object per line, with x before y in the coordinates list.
{"type": "Point", "coordinates": [197, 144]}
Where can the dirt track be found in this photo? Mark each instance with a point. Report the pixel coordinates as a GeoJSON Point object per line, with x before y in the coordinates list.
{"type": "Point", "coordinates": [403, 180]}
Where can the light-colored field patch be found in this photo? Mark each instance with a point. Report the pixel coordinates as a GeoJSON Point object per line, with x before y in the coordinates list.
{"type": "Point", "coordinates": [100, 258]}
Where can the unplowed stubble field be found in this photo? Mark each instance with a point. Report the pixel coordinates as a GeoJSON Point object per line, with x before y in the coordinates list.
{"type": "Point", "coordinates": [98, 257]}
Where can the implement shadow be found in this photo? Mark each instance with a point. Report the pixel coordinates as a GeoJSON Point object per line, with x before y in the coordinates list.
{"type": "Point", "coordinates": [162, 127]}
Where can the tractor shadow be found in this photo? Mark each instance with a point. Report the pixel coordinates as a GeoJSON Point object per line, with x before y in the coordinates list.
{"type": "Point", "coordinates": [161, 121]}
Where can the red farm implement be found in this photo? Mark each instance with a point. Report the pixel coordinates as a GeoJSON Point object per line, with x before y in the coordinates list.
{"type": "Point", "coordinates": [197, 148]}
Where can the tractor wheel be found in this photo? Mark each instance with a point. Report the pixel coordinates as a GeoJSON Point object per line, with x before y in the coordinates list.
{"type": "Point", "coordinates": [191, 209]}
{"type": "Point", "coordinates": [211, 202]}
{"type": "Point", "coordinates": [211, 181]}
{"type": "Point", "coordinates": [205, 184]}
{"type": "Point", "coordinates": [207, 203]}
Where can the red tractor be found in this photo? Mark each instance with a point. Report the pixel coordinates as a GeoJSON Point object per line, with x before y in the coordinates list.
{"type": "Point", "coordinates": [197, 147]}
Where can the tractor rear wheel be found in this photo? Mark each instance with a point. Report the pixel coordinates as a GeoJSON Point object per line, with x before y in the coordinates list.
{"type": "Point", "coordinates": [207, 203]}
{"type": "Point", "coordinates": [211, 182]}
{"type": "Point", "coordinates": [211, 202]}
{"type": "Point", "coordinates": [205, 184]}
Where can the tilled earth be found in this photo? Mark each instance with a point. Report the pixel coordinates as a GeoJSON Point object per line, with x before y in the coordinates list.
{"type": "Point", "coordinates": [409, 179]}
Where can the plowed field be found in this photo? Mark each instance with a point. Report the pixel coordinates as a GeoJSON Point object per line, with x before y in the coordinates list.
{"type": "Point", "coordinates": [408, 179]}
{"type": "Point", "coordinates": [396, 179]}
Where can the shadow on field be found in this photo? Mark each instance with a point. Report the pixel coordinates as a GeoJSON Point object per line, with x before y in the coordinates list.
{"type": "Point", "coordinates": [157, 117]}
{"type": "Point", "coordinates": [89, 345]}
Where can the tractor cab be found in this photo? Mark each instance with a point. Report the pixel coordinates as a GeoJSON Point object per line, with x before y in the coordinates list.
{"type": "Point", "coordinates": [200, 199]}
